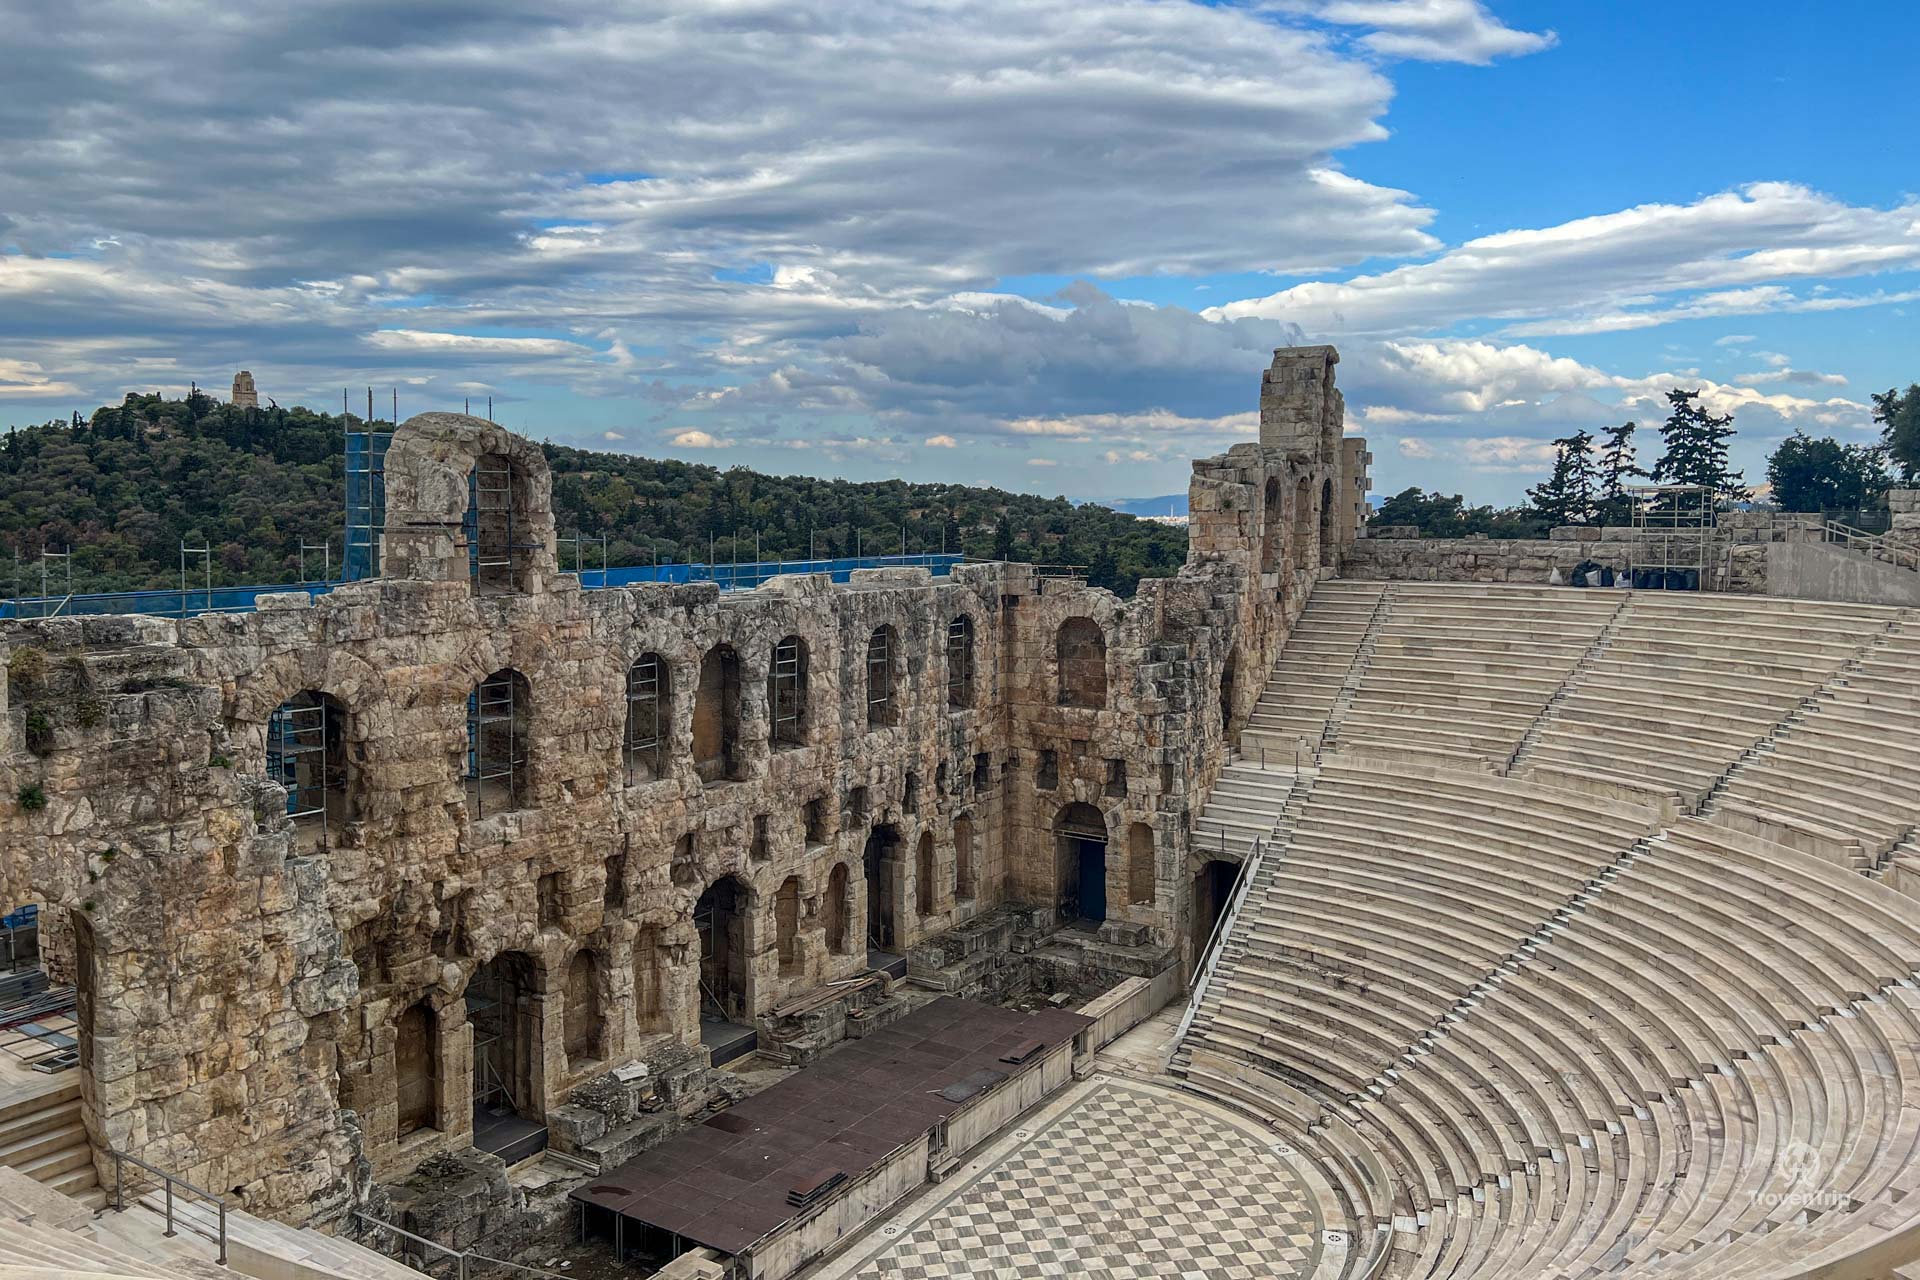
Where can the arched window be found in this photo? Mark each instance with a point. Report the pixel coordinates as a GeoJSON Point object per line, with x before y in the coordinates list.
{"type": "Point", "coordinates": [786, 925]}
{"type": "Point", "coordinates": [416, 1069]}
{"type": "Point", "coordinates": [963, 872]}
{"type": "Point", "coordinates": [960, 663]}
{"type": "Point", "coordinates": [838, 909]}
{"type": "Point", "coordinates": [498, 710]}
{"type": "Point", "coordinates": [1082, 653]}
{"type": "Point", "coordinates": [1302, 524]}
{"type": "Point", "coordinates": [585, 1027]}
{"type": "Point", "coordinates": [924, 896]}
{"type": "Point", "coordinates": [787, 694]}
{"type": "Point", "coordinates": [883, 703]}
{"type": "Point", "coordinates": [499, 532]}
{"type": "Point", "coordinates": [716, 716]}
{"type": "Point", "coordinates": [1140, 875]}
{"type": "Point", "coordinates": [306, 754]}
{"type": "Point", "coordinates": [649, 718]}
{"type": "Point", "coordinates": [1273, 528]}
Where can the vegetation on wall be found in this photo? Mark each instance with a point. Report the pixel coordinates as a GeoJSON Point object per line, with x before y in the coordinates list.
{"type": "Point", "coordinates": [126, 487]}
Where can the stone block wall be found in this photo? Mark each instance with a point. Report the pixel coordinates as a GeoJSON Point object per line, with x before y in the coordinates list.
{"type": "Point", "coordinates": [288, 1007]}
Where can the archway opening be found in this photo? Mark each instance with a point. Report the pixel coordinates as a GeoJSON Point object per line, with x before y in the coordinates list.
{"type": "Point", "coordinates": [498, 711]}
{"type": "Point", "coordinates": [787, 694]}
{"type": "Point", "coordinates": [1080, 862]}
{"type": "Point", "coordinates": [504, 1008]}
{"type": "Point", "coordinates": [883, 875]}
{"type": "Point", "coordinates": [837, 909]}
{"type": "Point", "coordinates": [716, 716]}
{"type": "Point", "coordinates": [500, 534]}
{"type": "Point", "coordinates": [307, 754]}
{"type": "Point", "coordinates": [720, 920]}
{"type": "Point", "coordinates": [1273, 527]}
{"type": "Point", "coordinates": [960, 663]}
{"type": "Point", "coordinates": [1302, 524]}
{"type": "Point", "coordinates": [416, 1069]}
{"type": "Point", "coordinates": [923, 886]}
{"type": "Point", "coordinates": [586, 1026]}
{"type": "Point", "coordinates": [1212, 891]}
{"type": "Point", "coordinates": [786, 926]}
{"type": "Point", "coordinates": [883, 678]}
{"type": "Point", "coordinates": [649, 718]}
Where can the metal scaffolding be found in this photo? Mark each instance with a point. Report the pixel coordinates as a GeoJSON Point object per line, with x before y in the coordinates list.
{"type": "Point", "coordinates": [496, 745]}
{"type": "Point", "coordinates": [960, 662]}
{"type": "Point", "coordinates": [304, 757]}
{"type": "Point", "coordinates": [880, 678]}
{"type": "Point", "coordinates": [787, 692]}
{"type": "Point", "coordinates": [366, 504]}
{"type": "Point", "coordinates": [645, 742]}
{"type": "Point", "coordinates": [1673, 536]}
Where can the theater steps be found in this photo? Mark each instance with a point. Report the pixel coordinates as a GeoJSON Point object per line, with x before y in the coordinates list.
{"type": "Point", "coordinates": [42, 1136]}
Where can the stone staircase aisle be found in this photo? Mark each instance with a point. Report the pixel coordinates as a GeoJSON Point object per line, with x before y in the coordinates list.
{"type": "Point", "coordinates": [43, 1137]}
{"type": "Point", "coordinates": [1320, 659]}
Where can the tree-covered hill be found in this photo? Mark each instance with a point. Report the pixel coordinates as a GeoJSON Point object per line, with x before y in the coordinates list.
{"type": "Point", "coordinates": [126, 487]}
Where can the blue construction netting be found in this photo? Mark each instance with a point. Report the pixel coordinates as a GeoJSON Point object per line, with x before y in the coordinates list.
{"type": "Point", "coordinates": [197, 600]}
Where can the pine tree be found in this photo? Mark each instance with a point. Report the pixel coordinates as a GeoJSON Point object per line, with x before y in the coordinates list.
{"type": "Point", "coordinates": [1618, 465]}
{"type": "Point", "coordinates": [1567, 497]}
{"type": "Point", "coordinates": [1898, 414]}
{"type": "Point", "coordinates": [1695, 443]}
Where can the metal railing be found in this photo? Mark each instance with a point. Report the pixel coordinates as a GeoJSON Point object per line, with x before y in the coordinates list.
{"type": "Point", "coordinates": [169, 1182]}
{"type": "Point", "coordinates": [463, 1259]}
{"type": "Point", "coordinates": [1875, 546]}
{"type": "Point", "coordinates": [1216, 940]}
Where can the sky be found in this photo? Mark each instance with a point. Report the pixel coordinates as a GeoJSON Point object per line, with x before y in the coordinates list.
{"type": "Point", "coordinates": [1044, 246]}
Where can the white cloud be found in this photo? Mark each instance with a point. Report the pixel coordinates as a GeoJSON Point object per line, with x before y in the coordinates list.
{"type": "Point", "coordinates": [415, 340]}
{"type": "Point", "coordinates": [1734, 340]}
{"type": "Point", "coordinates": [1609, 272]}
{"type": "Point", "coordinates": [1429, 30]}
{"type": "Point", "coordinates": [942, 442]}
{"type": "Point", "coordinates": [1042, 462]}
{"type": "Point", "coordinates": [1798, 377]}
{"type": "Point", "coordinates": [694, 438]}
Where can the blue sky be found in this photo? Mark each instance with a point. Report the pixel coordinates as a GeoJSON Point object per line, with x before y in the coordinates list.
{"type": "Point", "coordinates": [1047, 246]}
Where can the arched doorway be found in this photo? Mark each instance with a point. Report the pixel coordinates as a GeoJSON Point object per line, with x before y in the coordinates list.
{"type": "Point", "coordinates": [1080, 860]}
{"type": "Point", "coordinates": [416, 1069]}
{"type": "Point", "coordinates": [504, 1008]}
{"type": "Point", "coordinates": [720, 919]}
{"type": "Point", "coordinates": [883, 878]}
{"type": "Point", "coordinates": [1212, 891]}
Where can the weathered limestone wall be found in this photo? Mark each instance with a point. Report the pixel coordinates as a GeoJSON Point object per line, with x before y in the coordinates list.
{"type": "Point", "coordinates": [266, 1011]}
{"type": "Point", "coordinates": [1731, 565]}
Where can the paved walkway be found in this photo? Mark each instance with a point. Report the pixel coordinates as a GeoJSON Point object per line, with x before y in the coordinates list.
{"type": "Point", "coordinates": [1115, 1180]}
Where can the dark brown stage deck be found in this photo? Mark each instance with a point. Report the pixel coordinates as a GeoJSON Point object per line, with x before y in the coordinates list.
{"type": "Point", "coordinates": [724, 1183]}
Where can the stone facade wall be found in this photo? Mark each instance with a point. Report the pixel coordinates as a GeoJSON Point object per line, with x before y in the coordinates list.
{"type": "Point", "coordinates": [289, 1016]}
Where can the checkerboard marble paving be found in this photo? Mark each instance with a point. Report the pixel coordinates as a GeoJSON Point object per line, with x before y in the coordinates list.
{"type": "Point", "coordinates": [1126, 1185]}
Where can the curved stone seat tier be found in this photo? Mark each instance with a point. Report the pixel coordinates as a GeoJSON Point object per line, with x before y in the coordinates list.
{"type": "Point", "coordinates": [1534, 1031]}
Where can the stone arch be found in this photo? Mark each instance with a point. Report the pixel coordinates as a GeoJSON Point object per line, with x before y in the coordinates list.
{"type": "Point", "coordinates": [585, 1024]}
{"type": "Point", "coordinates": [925, 899]}
{"type": "Point", "coordinates": [500, 545]}
{"type": "Point", "coordinates": [716, 717]}
{"type": "Point", "coordinates": [1303, 524]}
{"type": "Point", "coordinates": [789, 718]}
{"type": "Point", "coordinates": [837, 910]}
{"type": "Point", "coordinates": [1329, 536]}
{"type": "Point", "coordinates": [1080, 862]}
{"type": "Point", "coordinates": [1140, 872]}
{"type": "Point", "coordinates": [416, 1068]}
{"type": "Point", "coordinates": [786, 925]}
{"type": "Point", "coordinates": [429, 495]}
{"type": "Point", "coordinates": [499, 716]}
{"type": "Point", "coordinates": [1080, 648]}
{"type": "Point", "coordinates": [885, 686]}
{"type": "Point", "coordinates": [1273, 527]}
{"type": "Point", "coordinates": [649, 722]}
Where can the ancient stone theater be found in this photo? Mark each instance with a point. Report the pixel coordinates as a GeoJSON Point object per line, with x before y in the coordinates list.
{"type": "Point", "coordinates": [1341, 907]}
